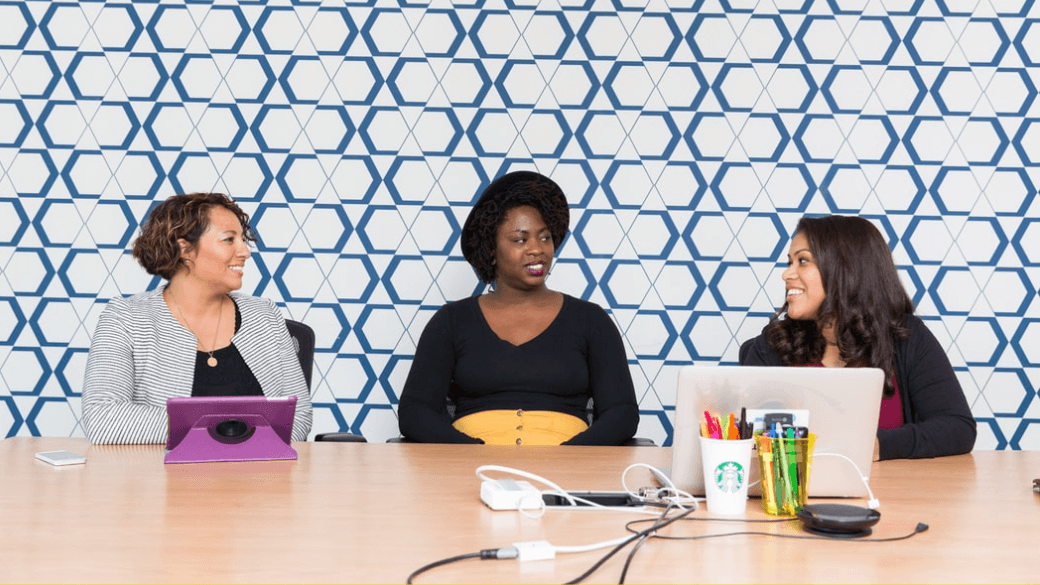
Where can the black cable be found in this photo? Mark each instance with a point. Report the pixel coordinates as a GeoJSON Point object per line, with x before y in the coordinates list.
{"type": "Point", "coordinates": [631, 553]}
{"type": "Point", "coordinates": [921, 527]}
{"type": "Point", "coordinates": [488, 553]}
{"type": "Point", "coordinates": [658, 524]}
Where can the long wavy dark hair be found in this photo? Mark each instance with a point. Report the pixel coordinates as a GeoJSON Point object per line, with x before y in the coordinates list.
{"type": "Point", "coordinates": [864, 300]}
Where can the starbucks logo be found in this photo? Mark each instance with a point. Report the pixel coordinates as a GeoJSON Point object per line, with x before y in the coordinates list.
{"type": "Point", "coordinates": [729, 477]}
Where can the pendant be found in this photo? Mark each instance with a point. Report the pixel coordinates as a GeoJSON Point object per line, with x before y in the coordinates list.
{"type": "Point", "coordinates": [212, 361]}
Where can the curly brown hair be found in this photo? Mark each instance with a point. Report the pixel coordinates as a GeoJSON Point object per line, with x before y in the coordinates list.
{"type": "Point", "coordinates": [864, 299]}
{"type": "Point", "coordinates": [186, 217]}
{"type": "Point", "coordinates": [515, 189]}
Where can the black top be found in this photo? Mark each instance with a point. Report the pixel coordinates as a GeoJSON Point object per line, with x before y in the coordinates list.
{"type": "Point", "coordinates": [938, 420]}
{"type": "Point", "coordinates": [578, 356]}
{"type": "Point", "coordinates": [231, 376]}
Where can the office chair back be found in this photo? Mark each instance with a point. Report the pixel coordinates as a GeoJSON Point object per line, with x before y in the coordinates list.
{"type": "Point", "coordinates": [303, 338]}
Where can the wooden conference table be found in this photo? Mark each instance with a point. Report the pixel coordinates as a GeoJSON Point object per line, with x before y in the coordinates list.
{"type": "Point", "coordinates": [351, 512]}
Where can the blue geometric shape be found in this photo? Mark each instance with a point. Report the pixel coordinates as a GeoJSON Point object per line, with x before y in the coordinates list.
{"type": "Point", "coordinates": [141, 68]}
{"type": "Point", "coordinates": [805, 185]}
{"type": "Point", "coordinates": [368, 217]}
{"type": "Point", "coordinates": [16, 417]}
{"type": "Point", "coordinates": [634, 199]}
{"type": "Point", "coordinates": [916, 223]}
{"type": "Point", "coordinates": [777, 24]}
{"type": "Point", "coordinates": [13, 312]}
{"type": "Point", "coordinates": [994, 428]}
{"type": "Point", "coordinates": [586, 272]}
{"type": "Point", "coordinates": [817, 21]}
{"type": "Point", "coordinates": [1020, 432]}
{"type": "Point", "coordinates": [128, 35]}
{"type": "Point", "coordinates": [1024, 7]}
{"type": "Point", "coordinates": [656, 36]}
{"type": "Point", "coordinates": [46, 165]}
{"type": "Point", "coordinates": [152, 28]}
{"type": "Point", "coordinates": [830, 195]}
{"type": "Point", "coordinates": [106, 116]}
{"type": "Point", "coordinates": [438, 131]}
{"type": "Point", "coordinates": [1026, 241]}
{"type": "Point", "coordinates": [720, 94]}
{"type": "Point", "coordinates": [747, 197]}
{"type": "Point", "coordinates": [285, 79]}
{"type": "Point", "coordinates": [1006, 291]}
{"type": "Point", "coordinates": [13, 136]}
{"type": "Point", "coordinates": [606, 286]}
{"type": "Point", "coordinates": [239, 37]}
{"type": "Point", "coordinates": [691, 142]}
{"type": "Point", "coordinates": [474, 33]}
{"type": "Point", "coordinates": [59, 371]}
{"type": "Point", "coordinates": [620, 70]}
{"type": "Point", "coordinates": [184, 160]}
{"type": "Point", "coordinates": [688, 336]}
{"type": "Point", "coordinates": [36, 321]}
{"type": "Point", "coordinates": [660, 321]}
{"type": "Point", "coordinates": [431, 224]}
{"type": "Point", "coordinates": [690, 292]}
{"type": "Point", "coordinates": [997, 31]}
{"type": "Point", "coordinates": [390, 146]}
{"type": "Point", "coordinates": [1022, 185]}
{"type": "Point", "coordinates": [121, 241]}
{"type": "Point", "coordinates": [832, 82]}
{"type": "Point", "coordinates": [944, 175]}
{"type": "Point", "coordinates": [716, 280]}
{"type": "Point", "coordinates": [908, 140]}
{"type": "Point", "coordinates": [1027, 127]}
{"type": "Point", "coordinates": [37, 409]}
{"type": "Point", "coordinates": [893, 40]}
{"type": "Point", "coordinates": [360, 277]}
{"type": "Point", "coordinates": [77, 84]}
{"type": "Point", "coordinates": [584, 34]}
{"type": "Point", "coordinates": [912, 32]}
{"type": "Point", "coordinates": [566, 72]}
{"type": "Point", "coordinates": [478, 143]}
{"type": "Point", "coordinates": [11, 207]}
{"type": "Point", "coordinates": [1030, 327]}
{"type": "Point", "coordinates": [28, 25]}
{"type": "Point", "coordinates": [367, 380]}
{"type": "Point", "coordinates": [819, 123]}
{"type": "Point", "coordinates": [933, 290]}
{"type": "Point", "coordinates": [1020, 45]}
{"type": "Point", "coordinates": [41, 215]}
{"type": "Point", "coordinates": [546, 133]}
{"type": "Point", "coordinates": [1024, 386]}
{"type": "Point", "coordinates": [261, 37]}
{"type": "Point", "coordinates": [768, 143]}
{"type": "Point", "coordinates": [937, 94]}
{"type": "Point", "coordinates": [70, 287]}
{"type": "Point", "coordinates": [777, 229]}
{"type": "Point", "coordinates": [23, 359]}
{"type": "Point", "coordinates": [256, 220]}
{"type": "Point", "coordinates": [909, 106]}
{"type": "Point", "coordinates": [375, 81]}
{"type": "Point", "coordinates": [333, 121]}
{"type": "Point", "coordinates": [665, 231]}
{"type": "Point", "coordinates": [259, 69]}
{"type": "Point", "coordinates": [344, 228]}
{"type": "Point", "coordinates": [46, 133]}
{"type": "Point", "coordinates": [49, 16]}
{"type": "Point", "coordinates": [704, 21]}
{"type": "Point", "coordinates": [363, 337]}
{"type": "Point", "coordinates": [562, 41]}
{"type": "Point", "coordinates": [399, 297]}
{"type": "Point", "coordinates": [983, 141]}
{"type": "Point", "coordinates": [33, 90]}
{"type": "Point", "coordinates": [292, 165]}
{"type": "Point", "coordinates": [283, 283]}
{"type": "Point", "coordinates": [406, 75]}
{"type": "Point", "coordinates": [258, 122]}
{"type": "Point", "coordinates": [371, 186]}
{"type": "Point", "coordinates": [916, 288]}
{"type": "Point", "coordinates": [583, 223]}
{"type": "Point", "coordinates": [456, 25]}
{"type": "Point", "coordinates": [465, 73]}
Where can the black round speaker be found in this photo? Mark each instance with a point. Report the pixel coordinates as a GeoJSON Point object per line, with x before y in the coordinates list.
{"type": "Point", "coordinates": [231, 431]}
{"type": "Point", "coordinates": [838, 520]}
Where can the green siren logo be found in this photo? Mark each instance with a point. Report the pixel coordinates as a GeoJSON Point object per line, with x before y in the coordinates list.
{"type": "Point", "coordinates": [729, 477]}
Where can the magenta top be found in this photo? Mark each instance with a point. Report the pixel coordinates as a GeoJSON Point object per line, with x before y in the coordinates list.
{"type": "Point", "coordinates": [891, 410]}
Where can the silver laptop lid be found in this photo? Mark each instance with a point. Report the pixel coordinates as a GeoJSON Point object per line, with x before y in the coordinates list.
{"type": "Point", "coordinates": [842, 405]}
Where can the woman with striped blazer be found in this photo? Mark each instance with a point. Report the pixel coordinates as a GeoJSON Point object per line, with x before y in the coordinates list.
{"type": "Point", "coordinates": [191, 337]}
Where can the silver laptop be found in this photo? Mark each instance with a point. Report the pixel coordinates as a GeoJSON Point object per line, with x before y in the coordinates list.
{"type": "Point", "coordinates": [839, 405]}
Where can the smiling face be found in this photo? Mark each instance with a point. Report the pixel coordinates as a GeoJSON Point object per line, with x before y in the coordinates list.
{"type": "Point", "coordinates": [523, 251]}
{"type": "Point", "coordinates": [803, 281]}
{"type": "Point", "coordinates": [219, 257]}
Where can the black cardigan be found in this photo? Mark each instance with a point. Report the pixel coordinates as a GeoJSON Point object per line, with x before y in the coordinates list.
{"type": "Point", "coordinates": [937, 420]}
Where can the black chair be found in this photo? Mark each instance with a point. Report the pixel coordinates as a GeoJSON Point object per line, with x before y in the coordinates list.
{"type": "Point", "coordinates": [303, 339]}
{"type": "Point", "coordinates": [633, 442]}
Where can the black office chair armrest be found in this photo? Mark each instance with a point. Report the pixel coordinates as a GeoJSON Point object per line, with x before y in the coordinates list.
{"type": "Point", "coordinates": [400, 439]}
{"type": "Point", "coordinates": [340, 438]}
{"type": "Point", "coordinates": [639, 442]}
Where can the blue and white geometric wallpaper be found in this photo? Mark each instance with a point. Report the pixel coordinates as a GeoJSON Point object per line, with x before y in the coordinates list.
{"type": "Point", "coordinates": [689, 136]}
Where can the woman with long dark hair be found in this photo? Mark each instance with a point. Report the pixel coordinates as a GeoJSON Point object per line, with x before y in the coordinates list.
{"type": "Point", "coordinates": [845, 307]}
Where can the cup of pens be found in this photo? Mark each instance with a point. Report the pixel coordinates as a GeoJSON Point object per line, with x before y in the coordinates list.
{"type": "Point", "coordinates": [785, 461]}
{"type": "Point", "coordinates": [726, 458]}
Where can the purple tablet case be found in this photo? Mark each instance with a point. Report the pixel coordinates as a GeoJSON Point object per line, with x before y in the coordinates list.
{"type": "Point", "coordinates": [199, 429]}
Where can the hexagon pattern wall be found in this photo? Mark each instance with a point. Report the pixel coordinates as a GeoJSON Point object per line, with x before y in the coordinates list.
{"type": "Point", "coordinates": [689, 135]}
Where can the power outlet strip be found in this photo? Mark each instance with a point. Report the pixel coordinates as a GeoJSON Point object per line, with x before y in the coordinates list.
{"type": "Point", "coordinates": [508, 494]}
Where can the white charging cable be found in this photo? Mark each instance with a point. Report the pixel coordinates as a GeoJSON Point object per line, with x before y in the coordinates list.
{"type": "Point", "coordinates": [873, 503]}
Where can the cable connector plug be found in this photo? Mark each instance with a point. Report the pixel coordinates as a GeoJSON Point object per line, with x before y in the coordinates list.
{"type": "Point", "coordinates": [506, 552]}
{"type": "Point", "coordinates": [874, 504]}
{"type": "Point", "coordinates": [535, 550]}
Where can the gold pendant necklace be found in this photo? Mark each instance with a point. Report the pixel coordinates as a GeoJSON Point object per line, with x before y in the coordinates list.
{"type": "Point", "coordinates": [212, 361]}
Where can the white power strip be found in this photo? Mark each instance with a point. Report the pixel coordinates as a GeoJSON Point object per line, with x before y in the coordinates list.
{"type": "Point", "coordinates": [508, 494]}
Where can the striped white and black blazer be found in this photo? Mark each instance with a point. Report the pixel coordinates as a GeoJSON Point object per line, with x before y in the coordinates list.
{"type": "Point", "coordinates": [140, 355]}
